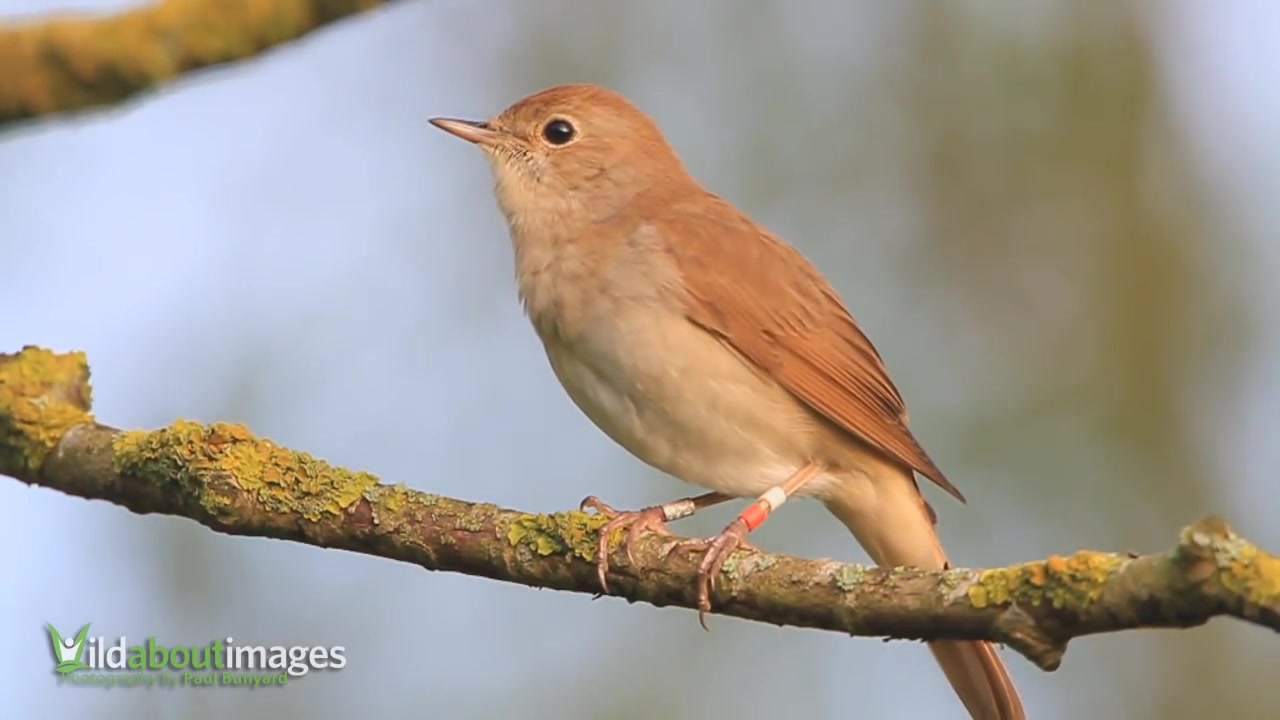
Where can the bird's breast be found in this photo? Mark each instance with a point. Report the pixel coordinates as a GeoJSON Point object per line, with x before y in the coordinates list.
{"type": "Point", "coordinates": [679, 400]}
{"type": "Point", "coordinates": [609, 311]}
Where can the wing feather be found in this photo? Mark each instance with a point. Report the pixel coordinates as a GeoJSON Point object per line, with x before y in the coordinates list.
{"type": "Point", "coordinates": [791, 325]}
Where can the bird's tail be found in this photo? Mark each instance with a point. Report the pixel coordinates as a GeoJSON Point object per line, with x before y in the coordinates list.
{"type": "Point", "coordinates": [888, 516]}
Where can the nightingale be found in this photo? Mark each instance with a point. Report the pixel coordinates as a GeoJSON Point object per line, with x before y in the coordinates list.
{"type": "Point", "coordinates": [708, 347]}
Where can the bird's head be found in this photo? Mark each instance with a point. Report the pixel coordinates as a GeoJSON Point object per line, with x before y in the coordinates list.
{"type": "Point", "coordinates": [571, 152]}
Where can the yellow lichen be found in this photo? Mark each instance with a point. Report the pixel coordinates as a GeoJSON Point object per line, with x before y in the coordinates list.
{"type": "Point", "coordinates": [42, 395]}
{"type": "Point", "coordinates": [565, 532]}
{"type": "Point", "coordinates": [472, 520]}
{"type": "Point", "coordinates": [1074, 581]}
{"type": "Point", "coordinates": [70, 62]}
{"type": "Point", "coordinates": [394, 498]}
{"type": "Point", "coordinates": [1254, 575]}
{"type": "Point", "coordinates": [992, 587]}
{"type": "Point", "coordinates": [218, 461]}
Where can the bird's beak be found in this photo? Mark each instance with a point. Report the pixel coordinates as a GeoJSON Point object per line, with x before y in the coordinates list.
{"type": "Point", "coordinates": [479, 133]}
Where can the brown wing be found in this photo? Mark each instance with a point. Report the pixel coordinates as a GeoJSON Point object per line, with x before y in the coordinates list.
{"type": "Point", "coordinates": [763, 298]}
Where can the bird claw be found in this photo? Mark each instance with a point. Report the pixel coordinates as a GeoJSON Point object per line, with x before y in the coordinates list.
{"type": "Point", "coordinates": [636, 522]}
{"type": "Point", "coordinates": [718, 549]}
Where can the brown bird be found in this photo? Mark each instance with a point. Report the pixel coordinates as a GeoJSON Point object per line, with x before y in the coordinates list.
{"type": "Point", "coordinates": [708, 347]}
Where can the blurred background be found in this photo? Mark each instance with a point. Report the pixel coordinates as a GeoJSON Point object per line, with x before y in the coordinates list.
{"type": "Point", "coordinates": [1055, 219]}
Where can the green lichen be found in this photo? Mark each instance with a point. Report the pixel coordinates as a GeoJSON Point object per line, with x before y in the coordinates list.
{"type": "Point", "coordinates": [897, 573]}
{"type": "Point", "coordinates": [950, 580]}
{"type": "Point", "coordinates": [1074, 581]}
{"type": "Point", "coordinates": [42, 395]}
{"type": "Point", "coordinates": [848, 577]}
{"type": "Point", "coordinates": [731, 565]}
{"type": "Point", "coordinates": [395, 499]}
{"type": "Point", "coordinates": [742, 563]}
{"type": "Point", "coordinates": [573, 532]}
{"type": "Point", "coordinates": [215, 463]}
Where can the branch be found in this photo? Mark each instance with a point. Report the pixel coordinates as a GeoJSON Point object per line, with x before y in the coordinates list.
{"type": "Point", "coordinates": [224, 477]}
{"type": "Point", "coordinates": [72, 63]}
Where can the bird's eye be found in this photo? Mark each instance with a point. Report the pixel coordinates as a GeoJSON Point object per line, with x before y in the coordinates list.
{"type": "Point", "coordinates": [558, 132]}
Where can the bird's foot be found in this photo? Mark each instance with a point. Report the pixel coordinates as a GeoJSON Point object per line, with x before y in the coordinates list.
{"type": "Point", "coordinates": [718, 549]}
{"type": "Point", "coordinates": [636, 523]}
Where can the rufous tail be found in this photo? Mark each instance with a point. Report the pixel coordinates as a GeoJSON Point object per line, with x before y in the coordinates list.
{"type": "Point", "coordinates": [887, 515]}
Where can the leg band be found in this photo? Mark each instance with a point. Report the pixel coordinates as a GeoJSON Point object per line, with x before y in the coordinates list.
{"type": "Point", "coordinates": [678, 509]}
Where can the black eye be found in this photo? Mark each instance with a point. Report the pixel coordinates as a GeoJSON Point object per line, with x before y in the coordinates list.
{"type": "Point", "coordinates": [558, 132]}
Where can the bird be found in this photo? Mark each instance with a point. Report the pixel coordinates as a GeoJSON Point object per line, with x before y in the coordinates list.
{"type": "Point", "coordinates": [708, 347]}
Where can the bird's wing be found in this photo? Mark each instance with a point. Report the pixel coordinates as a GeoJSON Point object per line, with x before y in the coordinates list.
{"type": "Point", "coordinates": [762, 297]}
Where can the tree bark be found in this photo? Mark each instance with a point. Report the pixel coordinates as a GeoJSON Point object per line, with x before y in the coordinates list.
{"type": "Point", "coordinates": [231, 481]}
{"type": "Point", "coordinates": [71, 63]}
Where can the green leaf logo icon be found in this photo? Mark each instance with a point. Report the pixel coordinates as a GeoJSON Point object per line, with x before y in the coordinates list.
{"type": "Point", "coordinates": [66, 653]}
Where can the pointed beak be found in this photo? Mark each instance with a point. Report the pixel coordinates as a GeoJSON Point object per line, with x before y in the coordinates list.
{"type": "Point", "coordinates": [470, 130]}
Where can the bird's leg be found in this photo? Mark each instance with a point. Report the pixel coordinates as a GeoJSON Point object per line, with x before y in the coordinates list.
{"type": "Point", "coordinates": [720, 547]}
{"type": "Point", "coordinates": [636, 522]}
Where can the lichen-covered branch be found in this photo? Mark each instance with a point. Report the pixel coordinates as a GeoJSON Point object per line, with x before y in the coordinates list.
{"type": "Point", "coordinates": [234, 482]}
{"type": "Point", "coordinates": [69, 63]}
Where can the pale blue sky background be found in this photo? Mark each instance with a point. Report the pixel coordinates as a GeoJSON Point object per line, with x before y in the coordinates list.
{"type": "Point", "coordinates": [289, 244]}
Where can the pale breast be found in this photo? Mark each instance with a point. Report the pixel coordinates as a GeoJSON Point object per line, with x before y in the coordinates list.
{"type": "Point", "coordinates": [680, 401]}
{"type": "Point", "coordinates": [611, 318]}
